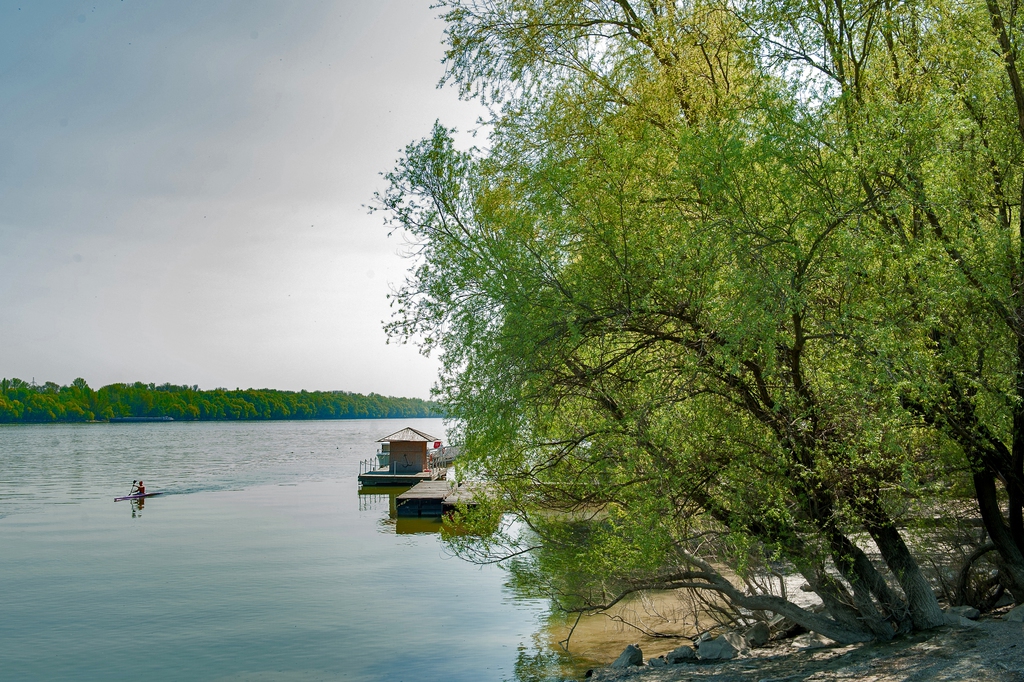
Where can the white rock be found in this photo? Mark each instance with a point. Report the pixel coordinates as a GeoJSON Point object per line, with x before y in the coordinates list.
{"type": "Point", "coordinates": [718, 648]}
{"type": "Point", "coordinates": [630, 656]}
{"type": "Point", "coordinates": [737, 641]}
{"type": "Point", "coordinates": [959, 621]}
{"type": "Point", "coordinates": [811, 640]}
{"type": "Point", "coordinates": [1016, 614]}
{"type": "Point", "coordinates": [757, 635]}
{"type": "Point", "coordinates": [780, 624]}
{"type": "Point", "coordinates": [968, 612]}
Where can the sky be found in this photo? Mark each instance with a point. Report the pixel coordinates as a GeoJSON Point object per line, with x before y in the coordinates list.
{"type": "Point", "coordinates": [183, 189]}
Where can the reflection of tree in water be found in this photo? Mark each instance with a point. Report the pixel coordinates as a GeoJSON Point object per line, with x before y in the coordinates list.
{"type": "Point", "coordinates": [554, 560]}
{"type": "Point", "coordinates": [538, 663]}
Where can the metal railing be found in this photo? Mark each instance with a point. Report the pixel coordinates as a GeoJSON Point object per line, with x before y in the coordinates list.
{"type": "Point", "coordinates": [380, 461]}
{"type": "Point", "coordinates": [439, 460]}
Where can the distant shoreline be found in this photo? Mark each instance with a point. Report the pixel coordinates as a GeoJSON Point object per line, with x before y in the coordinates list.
{"type": "Point", "coordinates": [209, 421]}
{"type": "Point", "coordinates": [21, 402]}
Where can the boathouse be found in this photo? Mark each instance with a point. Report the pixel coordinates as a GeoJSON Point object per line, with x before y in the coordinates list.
{"type": "Point", "coordinates": [407, 450]}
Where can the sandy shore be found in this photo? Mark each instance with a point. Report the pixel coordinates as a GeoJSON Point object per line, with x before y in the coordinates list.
{"type": "Point", "coordinates": [991, 651]}
{"type": "Point", "coordinates": [656, 621]}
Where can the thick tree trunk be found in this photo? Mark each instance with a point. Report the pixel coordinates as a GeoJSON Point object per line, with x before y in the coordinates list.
{"type": "Point", "coordinates": [867, 582]}
{"type": "Point", "coordinates": [1013, 478]}
{"type": "Point", "coordinates": [924, 607]}
{"type": "Point", "coordinates": [839, 603]}
{"type": "Point", "coordinates": [1012, 564]}
{"type": "Point", "coordinates": [865, 607]}
{"type": "Point", "coordinates": [989, 460]}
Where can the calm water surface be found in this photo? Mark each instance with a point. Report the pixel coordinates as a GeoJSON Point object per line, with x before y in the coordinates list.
{"type": "Point", "coordinates": [263, 561]}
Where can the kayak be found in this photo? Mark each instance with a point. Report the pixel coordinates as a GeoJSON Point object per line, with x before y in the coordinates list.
{"type": "Point", "coordinates": [136, 496]}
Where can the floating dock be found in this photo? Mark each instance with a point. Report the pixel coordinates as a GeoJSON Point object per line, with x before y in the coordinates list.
{"type": "Point", "coordinates": [434, 498]}
{"type": "Point", "coordinates": [437, 463]}
{"type": "Point", "coordinates": [386, 477]}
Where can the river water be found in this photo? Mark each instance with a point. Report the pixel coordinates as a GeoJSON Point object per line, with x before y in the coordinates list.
{"type": "Point", "coordinates": [262, 562]}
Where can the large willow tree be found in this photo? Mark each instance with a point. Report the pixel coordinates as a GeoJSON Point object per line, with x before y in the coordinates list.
{"type": "Point", "coordinates": [725, 283]}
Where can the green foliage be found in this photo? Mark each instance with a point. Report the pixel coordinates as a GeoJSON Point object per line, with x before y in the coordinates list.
{"type": "Point", "coordinates": [740, 281]}
{"type": "Point", "coordinates": [22, 402]}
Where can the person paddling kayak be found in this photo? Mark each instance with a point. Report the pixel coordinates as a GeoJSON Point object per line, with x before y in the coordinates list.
{"type": "Point", "coordinates": [138, 492]}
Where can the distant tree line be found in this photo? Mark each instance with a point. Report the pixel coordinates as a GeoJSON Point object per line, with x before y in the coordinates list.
{"type": "Point", "coordinates": [21, 401]}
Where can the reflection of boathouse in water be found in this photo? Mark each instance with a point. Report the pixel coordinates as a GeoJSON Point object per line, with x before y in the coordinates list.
{"type": "Point", "coordinates": [385, 499]}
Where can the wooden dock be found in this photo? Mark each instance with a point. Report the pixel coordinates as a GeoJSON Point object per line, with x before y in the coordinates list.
{"type": "Point", "coordinates": [423, 499]}
{"type": "Point", "coordinates": [434, 498]}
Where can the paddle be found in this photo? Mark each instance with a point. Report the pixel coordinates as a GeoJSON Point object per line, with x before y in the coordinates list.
{"type": "Point", "coordinates": [133, 488]}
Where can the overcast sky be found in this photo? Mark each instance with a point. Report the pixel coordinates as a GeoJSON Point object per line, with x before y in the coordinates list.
{"type": "Point", "coordinates": [182, 189]}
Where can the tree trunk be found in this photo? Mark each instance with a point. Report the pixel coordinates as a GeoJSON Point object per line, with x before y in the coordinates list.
{"type": "Point", "coordinates": [867, 582]}
{"type": "Point", "coordinates": [1012, 564]}
{"type": "Point", "coordinates": [1013, 478]}
{"type": "Point", "coordinates": [841, 605]}
{"type": "Point", "coordinates": [924, 607]}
